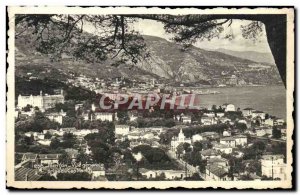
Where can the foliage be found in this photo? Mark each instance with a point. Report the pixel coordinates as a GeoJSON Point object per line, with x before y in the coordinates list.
{"type": "Point", "coordinates": [276, 133]}
{"type": "Point", "coordinates": [36, 124]}
{"type": "Point", "coordinates": [154, 158]}
{"type": "Point", "coordinates": [122, 117]}
{"type": "Point", "coordinates": [64, 158]}
{"type": "Point", "coordinates": [78, 176]}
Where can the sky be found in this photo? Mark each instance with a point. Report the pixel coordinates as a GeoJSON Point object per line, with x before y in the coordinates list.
{"type": "Point", "coordinates": [149, 27]}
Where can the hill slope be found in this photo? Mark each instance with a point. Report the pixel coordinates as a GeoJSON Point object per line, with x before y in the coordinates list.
{"type": "Point", "coordinates": [168, 62]}
{"type": "Point", "coordinates": [250, 55]}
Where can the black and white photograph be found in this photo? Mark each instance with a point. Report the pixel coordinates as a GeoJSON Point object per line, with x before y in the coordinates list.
{"type": "Point", "coordinates": [118, 98]}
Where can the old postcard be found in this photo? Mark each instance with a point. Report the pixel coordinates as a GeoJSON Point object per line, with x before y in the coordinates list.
{"type": "Point", "coordinates": [116, 98]}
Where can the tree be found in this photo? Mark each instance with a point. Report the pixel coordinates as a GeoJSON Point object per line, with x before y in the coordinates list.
{"type": "Point", "coordinates": [276, 133]}
{"type": "Point", "coordinates": [123, 116]}
{"type": "Point", "coordinates": [64, 158]}
{"type": "Point", "coordinates": [48, 135]}
{"type": "Point", "coordinates": [55, 143]}
{"type": "Point", "coordinates": [197, 146]}
{"type": "Point", "coordinates": [129, 46]}
{"type": "Point", "coordinates": [27, 108]}
{"type": "Point", "coordinates": [78, 176]}
{"type": "Point", "coordinates": [82, 158]}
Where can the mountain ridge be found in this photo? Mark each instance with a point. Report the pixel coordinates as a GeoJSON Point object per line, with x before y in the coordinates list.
{"type": "Point", "coordinates": [168, 62]}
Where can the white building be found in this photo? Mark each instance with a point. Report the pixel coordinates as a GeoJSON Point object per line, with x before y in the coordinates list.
{"type": "Point", "coordinates": [122, 129]}
{"type": "Point", "coordinates": [217, 169]}
{"type": "Point", "coordinates": [220, 114]}
{"type": "Point", "coordinates": [44, 142]}
{"type": "Point", "coordinates": [228, 107]}
{"type": "Point", "coordinates": [247, 112]}
{"type": "Point", "coordinates": [78, 106]}
{"type": "Point", "coordinates": [223, 148]}
{"type": "Point", "coordinates": [104, 116]}
{"type": "Point", "coordinates": [269, 122]}
{"type": "Point", "coordinates": [168, 174]}
{"type": "Point", "coordinates": [178, 140]}
{"type": "Point", "coordinates": [260, 114]}
{"type": "Point", "coordinates": [273, 166]}
{"type": "Point", "coordinates": [208, 120]}
{"type": "Point", "coordinates": [238, 140]}
{"type": "Point", "coordinates": [186, 119]}
{"type": "Point", "coordinates": [57, 117]}
{"type": "Point", "coordinates": [43, 102]}
{"type": "Point", "coordinates": [209, 114]}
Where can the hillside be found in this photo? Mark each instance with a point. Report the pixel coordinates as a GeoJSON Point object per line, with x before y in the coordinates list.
{"type": "Point", "coordinates": [168, 62]}
{"type": "Point", "coordinates": [250, 55]}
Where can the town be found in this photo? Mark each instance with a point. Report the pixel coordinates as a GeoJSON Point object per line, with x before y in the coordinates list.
{"type": "Point", "coordinates": [62, 138]}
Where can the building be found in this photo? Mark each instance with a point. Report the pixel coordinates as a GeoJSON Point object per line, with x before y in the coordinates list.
{"type": "Point", "coordinates": [216, 173]}
{"type": "Point", "coordinates": [44, 142]}
{"type": "Point", "coordinates": [97, 170]}
{"type": "Point", "coordinates": [218, 161]}
{"type": "Point", "coordinates": [78, 106]}
{"type": "Point", "coordinates": [269, 122]}
{"type": "Point", "coordinates": [258, 114]}
{"type": "Point", "coordinates": [210, 135]}
{"type": "Point", "coordinates": [180, 139]}
{"type": "Point", "coordinates": [240, 140]}
{"type": "Point", "coordinates": [228, 141]}
{"type": "Point", "coordinates": [43, 102]}
{"type": "Point", "coordinates": [273, 166]}
{"type": "Point", "coordinates": [104, 116]}
{"type": "Point", "coordinates": [57, 117]}
{"type": "Point", "coordinates": [228, 107]}
{"type": "Point", "coordinates": [167, 174]}
{"type": "Point", "coordinates": [223, 148]}
{"type": "Point", "coordinates": [247, 112]}
{"type": "Point", "coordinates": [220, 114]}
{"type": "Point", "coordinates": [260, 132]}
{"type": "Point", "coordinates": [210, 153]}
{"type": "Point", "coordinates": [186, 119]}
{"type": "Point", "coordinates": [72, 153]}
{"type": "Point", "coordinates": [237, 140]}
{"type": "Point", "coordinates": [48, 159]}
{"type": "Point", "coordinates": [44, 159]}
{"type": "Point", "coordinates": [279, 122]}
{"type": "Point", "coordinates": [210, 114]}
{"type": "Point", "coordinates": [122, 129]}
{"type": "Point", "coordinates": [205, 120]}
{"type": "Point", "coordinates": [26, 174]}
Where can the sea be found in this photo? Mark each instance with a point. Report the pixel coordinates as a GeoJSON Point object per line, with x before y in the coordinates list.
{"type": "Point", "coordinates": [269, 99]}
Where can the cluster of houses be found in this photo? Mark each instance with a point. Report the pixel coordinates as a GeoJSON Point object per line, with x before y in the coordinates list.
{"type": "Point", "coordinates": [33, 166]}
{"type": "Point", "coordinates": [217, 167]}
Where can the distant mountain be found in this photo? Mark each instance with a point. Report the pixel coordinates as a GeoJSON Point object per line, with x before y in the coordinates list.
{"type": "Point", "coordinates": [168, 62]}
{"type": "Point", "coordinates": [250, 55]}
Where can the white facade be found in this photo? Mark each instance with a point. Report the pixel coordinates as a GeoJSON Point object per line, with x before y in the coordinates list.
{"type": "Point", "coordinates": [220, 114]}
{"type": "Point", "coordinates": [178, 140]}
{"type": "Point", "coordinates": [57, 117]}
{"type": "Point", "coordinates": [273, 166]}
{"type": "Point", "coordinates": [104, 116]}
{"type": "Point", "coordinates": [169, 174]}
{"type": "Point", "coordinates": [260, 114]}
{"type": "Point", "coordinates": [41, 101]}
{"type": "Point", "coordinates": [122, 129]}
{"type": "Point", "coordinates": [247, 112]}
{"type": "Point", "coordinates": [269, 122]}
{"type": "Point", "coordinates": [186, 119]}
{"type": "Point", "coordinates": [223, 148]}
{"type": "Point", "coordinates": [208, 120]}
{"type": "Point", "coordinates": [229, 107]}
